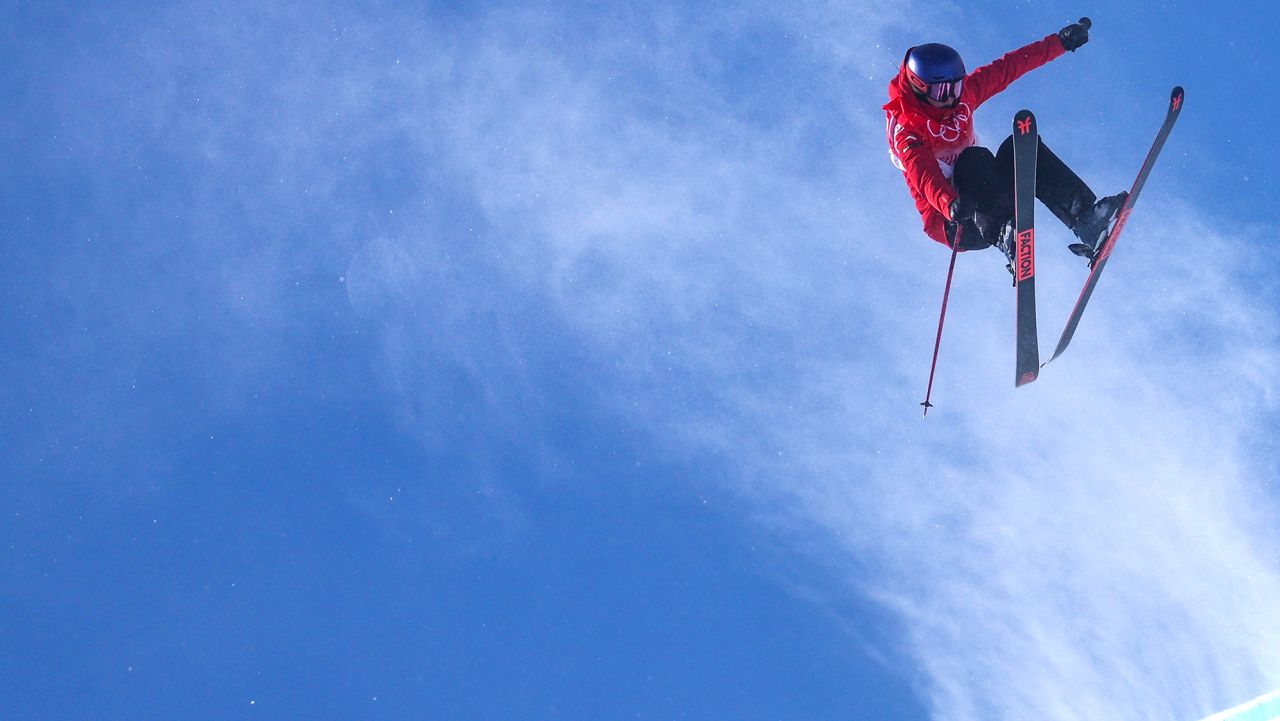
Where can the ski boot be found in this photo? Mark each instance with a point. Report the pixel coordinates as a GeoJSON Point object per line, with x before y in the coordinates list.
{"type": "Point", "coordinates": [1005, 242]}
{"type": "Point", "coordinates": [1092, 225]}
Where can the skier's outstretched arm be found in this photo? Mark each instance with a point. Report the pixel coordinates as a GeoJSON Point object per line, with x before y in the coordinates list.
{"type": "Point", "coordinates": [993, 78]}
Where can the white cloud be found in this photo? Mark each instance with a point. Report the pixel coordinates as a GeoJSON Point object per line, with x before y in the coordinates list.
{"type": "Point", "coordinates": [1091, 546]}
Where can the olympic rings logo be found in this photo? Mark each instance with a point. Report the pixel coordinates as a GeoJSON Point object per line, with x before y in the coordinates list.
{"type": "Point", "coordinates": [953, 127]}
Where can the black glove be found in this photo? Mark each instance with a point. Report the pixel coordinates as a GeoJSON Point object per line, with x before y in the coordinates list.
{"type": "Point", "coordinates": [962, 208]}
{"type": "Point", "coordinates": [1075, 34]}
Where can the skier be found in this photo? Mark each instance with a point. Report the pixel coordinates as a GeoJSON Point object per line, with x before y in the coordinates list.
{"type": "Point", "coordinates": [958, 185]}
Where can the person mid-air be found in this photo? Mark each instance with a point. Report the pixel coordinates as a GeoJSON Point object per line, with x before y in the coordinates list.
{"type": "Point", "coordinates": [961, 188]}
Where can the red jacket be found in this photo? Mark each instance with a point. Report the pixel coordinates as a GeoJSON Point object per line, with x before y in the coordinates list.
{"type": "Point", "coordinates": [925, 141]}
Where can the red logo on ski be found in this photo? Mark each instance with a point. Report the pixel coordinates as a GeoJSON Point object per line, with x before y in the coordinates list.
{"type": "Point", "coordinates": [1024, 126]}
{"type": "Point", "coordinates": [1026, 254]}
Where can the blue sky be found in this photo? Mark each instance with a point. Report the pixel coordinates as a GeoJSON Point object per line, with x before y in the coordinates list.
{"type": "Point", "coordinates": [511, 361]}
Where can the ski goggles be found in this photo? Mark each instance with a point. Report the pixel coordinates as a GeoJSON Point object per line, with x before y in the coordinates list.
{"type": "Point", "coordinates": [940, 92]}
{"type": "Point", "coordinates": [945, 92]}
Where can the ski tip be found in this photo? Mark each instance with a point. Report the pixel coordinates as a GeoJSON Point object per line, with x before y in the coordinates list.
{"type": "Point", "coordinates": [1175, 99]}
{"type": "Point", "coordinates": [1024, 123]}
{"type": "Point", "coordinates": [1027, 377]}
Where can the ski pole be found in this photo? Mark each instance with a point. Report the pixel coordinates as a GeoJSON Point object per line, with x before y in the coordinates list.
{"type": "Point", "coordinates": [942, 317]}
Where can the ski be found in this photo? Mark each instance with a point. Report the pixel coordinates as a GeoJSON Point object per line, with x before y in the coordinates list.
{"type": "Point", "coordinates": [1104, 252]}
{"type": "Point", "coordinates": [1026, 141]}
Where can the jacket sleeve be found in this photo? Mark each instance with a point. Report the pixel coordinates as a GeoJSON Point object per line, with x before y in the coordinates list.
{"type": "Point", "coordinates": [924, 175]}
{"type": "Point", "coordinates": [990, 79]}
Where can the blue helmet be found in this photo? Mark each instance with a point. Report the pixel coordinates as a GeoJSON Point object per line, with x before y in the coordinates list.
{"type": "Point", "coordinates": [935, 71]}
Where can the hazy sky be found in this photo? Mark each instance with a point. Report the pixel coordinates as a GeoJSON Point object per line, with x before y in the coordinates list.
{"type": "Point", "coordinates": [562, 360]}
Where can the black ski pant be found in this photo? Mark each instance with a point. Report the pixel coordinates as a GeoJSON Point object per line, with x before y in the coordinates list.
{"type": "Point", "coordinates": [988, 179]}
